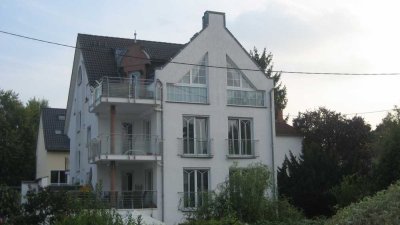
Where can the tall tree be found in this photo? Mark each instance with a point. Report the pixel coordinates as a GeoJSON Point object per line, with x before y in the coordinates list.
{"type": "Point", "coordinates": [387, 151]}
{"type": "Point", "coordinates": [333, 147]}
{"type": "Point", "coordinates": [264, 61]}
{"type": "Point", "coordinates": [18, 133]}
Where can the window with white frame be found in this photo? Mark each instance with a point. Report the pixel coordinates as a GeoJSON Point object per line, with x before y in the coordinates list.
{"type": "Point", "coordinates": [240, 90]}
{"type": "Point", "coordinates": [58, 177]}
{"type": "Point", "coordinates": [240, 141]}
{"type": "Point", "coordinates": [195, 138]}
{"type": "Point", "coordinates": [196, 186]}
{"type": "Point", "coordinates": [192, 87]}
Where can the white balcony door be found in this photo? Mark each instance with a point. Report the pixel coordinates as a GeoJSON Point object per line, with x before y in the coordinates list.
{"type": "Point", "coordinates": [195, 186]}
{"type": "Point", "coordinates": [127, 181]}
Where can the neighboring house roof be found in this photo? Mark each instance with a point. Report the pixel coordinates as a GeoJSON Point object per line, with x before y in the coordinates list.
{"type": "Point", "coordinates": [284, 129]}
{"type": "Point", "coordinates": [51, 124]}
{"type": "Point", "coordinates": [99, 53]}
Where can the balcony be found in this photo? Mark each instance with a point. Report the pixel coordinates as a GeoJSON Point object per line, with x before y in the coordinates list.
{"type": "Point", "coordinates": [118, 199]}
{"type": "Point", "coordinates": [187, 94]}
{"type": "Point", "coordinates": [241, 148]}
{"type": "Point", "coordinates": [246, 98]}
{"type": "Point", "coordinates": [117, 90]}
{"type": "Point", "coordinates": [127, 147]}
{"type": "Point", "coordinates": [190, 201]}
{"type": "Point", "coordinates": [194, 148]}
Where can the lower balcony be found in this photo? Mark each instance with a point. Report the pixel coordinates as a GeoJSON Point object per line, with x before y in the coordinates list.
{"type": "Point", "coordinates": [242, 148]}
{"type": "Point", "coordinates": [125, 147]}
{"type": "Point", "coordinates": [195, 148]}
{"type": "Point", "coordinates": [190, 201]}
{"type": "Point", "coordinates": [118, 199]}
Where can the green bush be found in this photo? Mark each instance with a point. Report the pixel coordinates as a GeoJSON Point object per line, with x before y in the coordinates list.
{"type": "Point", "coordinates": [382, 208]}
{"type": "Point", "coordinates": [9, 203]}
{"type": "Point", "coordinates": [99, 217]}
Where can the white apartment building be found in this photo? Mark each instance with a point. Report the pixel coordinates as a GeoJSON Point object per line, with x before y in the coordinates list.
{"type": "Point", "coordinates": [157, 124]}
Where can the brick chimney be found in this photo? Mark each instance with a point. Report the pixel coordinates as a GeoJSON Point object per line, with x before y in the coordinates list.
{"type": "Point", "coordinates": [279, 116]}
{"type": "Point", "coordinates": [213, 19]}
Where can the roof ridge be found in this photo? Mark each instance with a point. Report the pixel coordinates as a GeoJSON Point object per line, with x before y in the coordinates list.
{"type": "Point", "coordinates": [130, 39]}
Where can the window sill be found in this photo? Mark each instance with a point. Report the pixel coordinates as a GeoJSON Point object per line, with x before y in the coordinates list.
{"type": "Point", "coordinates": [197, 103]}
{"type": "Point", "coordinates": [248, 106]}
{"type": "Point", "coordinates": [196, 156]}
{"type": "Point", "coordinates": [241, 156]}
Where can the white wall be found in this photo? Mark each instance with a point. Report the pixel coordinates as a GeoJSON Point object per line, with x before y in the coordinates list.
{"type": "Point", "coordinates": [286, 144]}
{"type": "Point", "coordinates": [218, 43]}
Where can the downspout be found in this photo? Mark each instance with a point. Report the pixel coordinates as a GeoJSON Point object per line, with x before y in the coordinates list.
{"type": "Point", "coordinates": [162, 149]}
{"type": "Point", "coordinates": [272, 114]}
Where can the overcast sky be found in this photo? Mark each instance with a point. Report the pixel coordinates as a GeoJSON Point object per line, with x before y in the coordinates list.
{"type": "Point", "coordinates": [350, 36]}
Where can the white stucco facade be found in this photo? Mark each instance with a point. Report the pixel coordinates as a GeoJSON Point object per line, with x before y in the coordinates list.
{"type": "Point", "coordinates": [103, 153]}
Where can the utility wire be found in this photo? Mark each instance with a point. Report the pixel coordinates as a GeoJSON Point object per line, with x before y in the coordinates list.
{"type": "Point", "coordinates": [356, 113]}
{"type": "Point", "coordinates": [195, 64]}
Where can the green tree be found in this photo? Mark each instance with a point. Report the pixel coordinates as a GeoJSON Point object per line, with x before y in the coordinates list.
{"type": "Point", "coordinates": [11, 146]}
{"type": "Point", "coordinates": [18, 133]}
{"type": "Point", "coordinates": [333, 148]}
{"type": "Point", "coordinates": [265, 63]}
{"type": "Point", "coordinates": [387, 151]}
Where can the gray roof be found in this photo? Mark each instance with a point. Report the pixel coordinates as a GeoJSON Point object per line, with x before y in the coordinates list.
{"type": "Point", "coordinates": [99, 53]}
{"type": "Point", "coordinates": [51, 123]}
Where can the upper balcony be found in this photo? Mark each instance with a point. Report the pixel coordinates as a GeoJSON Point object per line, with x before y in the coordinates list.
{"type": "Point", "coordinates": [125, 147]}
{"type": "Point", "coordinates": [123, 91]}
{"type": "Point", "coordinates": [246, 98]}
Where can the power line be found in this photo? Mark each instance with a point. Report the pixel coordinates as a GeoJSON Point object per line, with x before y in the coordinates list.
{"type": "Point", "coordinates": [195, 64]}
{"type": "Point", "coordinates": [355, 113]}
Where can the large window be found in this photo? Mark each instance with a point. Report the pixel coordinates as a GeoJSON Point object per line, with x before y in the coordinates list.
{"type": "Point", "coordinates": [195, 136]}
{"type": "Point", "coordinates": [240, 142]}
{"type": "Point", "coordinates": [240, 90]}
{"type": "Point", "coordinates": [58, 177]}
{"type": "Point", "coordinates": [195, 187]}
{"type": "Point", "coordinates": [192, 87]}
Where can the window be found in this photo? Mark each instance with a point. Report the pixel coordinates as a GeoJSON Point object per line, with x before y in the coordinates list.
{"type": "Point", "coordinates": [79, 75]}
{"type": "Point", "coordinates": [195, 136]}
{"type": "Point", "coordinates": [88, 136]}
{"type": "Point", "coordinates": [240, 141]}
{"type": "Point", "coordinates": [78, 160]}
{"type": "Point", "coordinates": [235, 77]}
{"type": "Point", "coordinates": [61, 117]}
{"type": "Point", "coordinates": [58, 177]}
{"type": "Point", "coordinates": [240, 90]}
{"type": "Point", "coordinates": [78, 121]}
{"type": "Point", "coordinates": [58, 131]}
{"type": "Point", "coordinates": [198, 74]}
{"type": "Point", "coordinates": [195, 187]}
{"type": "Point", "coordinates": [192, 87]}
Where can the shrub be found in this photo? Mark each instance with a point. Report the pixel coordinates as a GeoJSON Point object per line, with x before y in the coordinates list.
{"type": "Point", "coordinates": [382, 208]}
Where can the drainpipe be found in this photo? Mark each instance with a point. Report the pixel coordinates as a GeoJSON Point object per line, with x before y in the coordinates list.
{"type": "Point", "coordinates": [112, 152]}
{"type": "Point", "coordinates": [272, 114]}
{"type": "Point", "coordinates": [162, 149]}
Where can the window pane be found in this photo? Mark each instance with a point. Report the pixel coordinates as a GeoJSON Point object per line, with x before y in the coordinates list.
{"type": "Point", "coordinates": [63, 177]}
{"type": "Point", "coordinates": [54, 177]}
{"type": "Point", "coordinates": [233, 136]}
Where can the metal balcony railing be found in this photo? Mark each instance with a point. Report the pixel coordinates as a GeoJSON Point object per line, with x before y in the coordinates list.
{"type": "Point", "coordinates": [189, 201]}
{"type": "Point", "coordinates": [241, 148]}
{"type": "Point", "coordinates": [246, 98]}
{"type": "Point", "coordinates": [125, 144]}
{"type": "Point", "coordinates": [189, 94]}
{"type": "Point", "coordinates": [118, 199]}
{"type": "Point", "coordinates": [129, 88]}
{"type": "Point", "coordinates": [194, 147]}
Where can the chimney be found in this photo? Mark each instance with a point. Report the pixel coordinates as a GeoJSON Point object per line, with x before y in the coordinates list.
{"type": "Point", "coordinates": [212, 18]}
{"type": "Point", "coordinates": [279, 115]}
